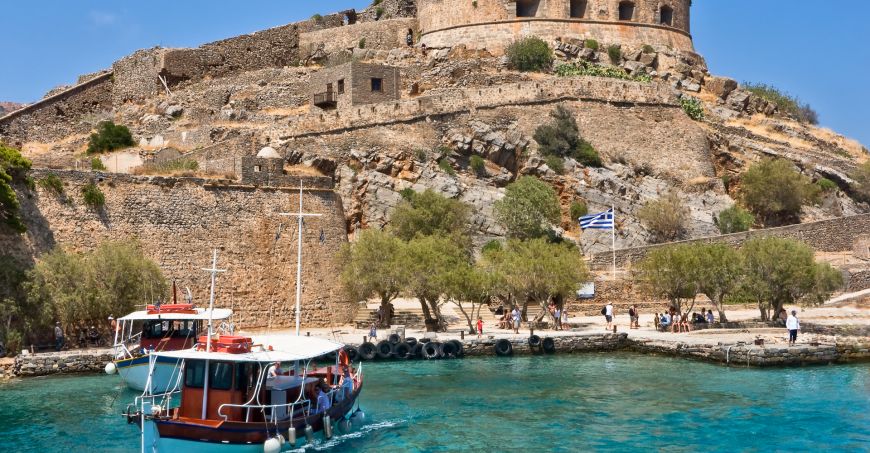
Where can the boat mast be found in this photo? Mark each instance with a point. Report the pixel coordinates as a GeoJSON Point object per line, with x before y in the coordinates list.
{"type": "Point", "coordinates": [214, 271]}
{"type": "Point", "coordinates": [299, 216]}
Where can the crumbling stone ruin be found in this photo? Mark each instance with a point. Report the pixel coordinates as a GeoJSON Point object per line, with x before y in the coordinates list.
{"type": "Point", "coordinates": [359, 105]}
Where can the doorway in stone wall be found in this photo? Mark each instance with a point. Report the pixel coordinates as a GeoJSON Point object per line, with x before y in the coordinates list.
{"type": "Point", "coordinates": [527, 8]}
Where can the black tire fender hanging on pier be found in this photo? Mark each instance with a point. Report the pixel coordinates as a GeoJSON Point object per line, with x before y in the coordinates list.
{"type": "Point", "coordinates": [394, 338]}
{"type": "Point", "coordinates": [431, 350]}
{"type": "Point", "coordinates": [548, 345]}
{"type": "Point", "coordinates": [352, 352]}
{"type": "Point", "coordinates": [448, 350]}
{"type": "Point", "coordinates": [417, 351]}
{"type": "Point", "coordinates": [534, 341]}
{"type": "Point", "coordinates": [503, 348]}
{"type": "Point", "coordinates": [402, 351]}
{"type": "Point", "coordinates": [384, 349]}
{"type": "Point", "coordinates": [411, 341]}
{"type": "Point", "coordinates": [367, 351]}
{"type": "Point", "coordinates": [460, 348]}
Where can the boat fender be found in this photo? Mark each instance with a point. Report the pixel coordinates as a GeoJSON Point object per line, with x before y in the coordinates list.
{"type": "Point", "coordinates": [291, 436]}
{"type": "Point", "coordinates": [548, 345]}
{"type": "Point", "coordinates": [367, 351]}
{"type": "Point", "coordinates": [327, 427]}
{"type": "Point", "coordinates": [309, 433]}
{"type": "Point", "coordinates": [384, 349]}
{"type": "Point", "coordinates": [351, 352]}
{"type": "Point", "coordinates": [155, 410]}
{"type": "Point", "coordinates": [503, 348]}
{"type": "Point", "coordinates": [431, 350]}
{"type": "Point", "coordinates": [417, 351]}
{"type": "Point", "coordinates": [411, 341]}
{"type": "Point", "coordinates": [534, 341]}
{"type": "Point", "coordinates": [448, 350]}
{"type": "Point", "coordinates": [111, 368]}
{"type": "Point", "coordinates": [460, 348]}
{"type": "Point", "coordinates": [358, 418]}
{"type": "Point", "coordinates": [272, 445]}
{"type": "Point", "coordinates": [402, 350]}
{"type": "Point", "coordinates": [394, 338]}
{"type": "Point", "coordinates": [345, 426]}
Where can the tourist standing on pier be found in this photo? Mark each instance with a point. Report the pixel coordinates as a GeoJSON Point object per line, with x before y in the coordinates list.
{"type": "Point", "coordinates": [58, 337]}
{"type": "Point", "coordinates": [515, 318]}
{"type": "Point", "coordinates": [479, 327]}
{"type": "Point", "coordinates": [373, 332]}
{"type": "Point", "coordinates": [793, 325]}
{"type": "Point", "coordinates": [608, 316]}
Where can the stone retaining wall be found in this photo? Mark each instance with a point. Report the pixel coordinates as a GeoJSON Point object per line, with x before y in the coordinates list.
{"type": "Point", "coordinates": [833, 235]}
{"type": "Point", "coordinates": [83, 361]}
{"type": "Point", "coordinates": [594, 89]}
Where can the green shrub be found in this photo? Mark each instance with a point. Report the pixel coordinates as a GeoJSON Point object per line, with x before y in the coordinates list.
{"type": "Point", "coordinates": [666, 218]}
{"type": "Point", "coordinates": [590, 44]}
{"type": "Point", "coordinates": [775, 192]}
{"type": "Point", "coordinates": [109, 137]}
{"type": "Point", "coordinates": [561, 138]}
{"type": "Point", "coordinates": [529, 54]}
{"type": "Point", "coordinates": [13, 169]}
{"type": "Point", "coordinates": [492, 246]}
{"type": "Point", "coordinates": [362, 43]}
{"type": "Point", "coordinates": [785, 102]}
{"type": "Point", "coordinates": [477, 164]}
{"type": "Point", "coordinates": [52, 183]}
{"type": "Point", "coordinates": [474, 3]}
{"type": "Point", "coordinates": [528, 208]}
{"type": "Point", "coordinates": [93, 196]}
{"type": "Point", "coordinates": [376, 2]}
{"type": "Point", "coordinates": [317, 18]}
{"type": "Point", "coordinates": [826, 185]}
{"type": "Point", "coordinates": [583, 68]}
{"type": "Point", "coordinates": [578, 209]}
{"type": "Point", "coordinates": [420, 154]}
{"type": "Point", "coordinates": [615, 53]}
{"type": "Point", "coordinates": [734, 220]}
{"type": "Point", "coordinates": [556, 163]}
{"type": "Point", "coordinates": [177, 166]}
{"type": "Point", "coordinates": [693, 107]}
{"type": "Point", "coordinates": [97, 164]}
{"type": "Point", "coordinates": [648, 49]}
{"type": "Point", "coordinates": [726, 181]}
{"type": "Point", "coordinates": [379, 11]}
{"type": "Point", "coordinates": [407, 193]}
{"type": "Point", "coordinates": [445, 166]}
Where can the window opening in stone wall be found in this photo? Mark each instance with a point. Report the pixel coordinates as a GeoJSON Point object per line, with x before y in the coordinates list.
{"type": "Point", "coordinates": [626, 11]}
{"type": "Point", "coordinates": [667, 16]}
{"type": "Point", "coordinates": [349, 17]}
{"type": "Point", "coordinates": [256, 168]}
{"type": "Point", "coordinates": [527, 8]}
{"type": "Point", "coordinates": [377, 84]}
{"type": "Point", "coordinates": [341, 86]}
{"type": "Point", "coordinates": [578, 9]}
{"type": "Point", "coordinates": [329, 88]}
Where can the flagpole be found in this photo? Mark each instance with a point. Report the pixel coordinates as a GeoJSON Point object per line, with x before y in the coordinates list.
{"type": "Point", "coordinates": [613, 236]}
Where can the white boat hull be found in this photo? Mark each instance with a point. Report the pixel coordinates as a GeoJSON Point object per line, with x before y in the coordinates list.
{"type": "Point", "coordinates": [134, 372]}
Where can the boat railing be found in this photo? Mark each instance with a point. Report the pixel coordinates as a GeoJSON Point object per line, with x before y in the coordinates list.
{"type": "Point", "coordinates": [305, 405]}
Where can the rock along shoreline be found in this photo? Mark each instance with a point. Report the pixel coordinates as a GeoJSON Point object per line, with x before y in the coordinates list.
{"type": "Point", "coordinates": [843, 350]}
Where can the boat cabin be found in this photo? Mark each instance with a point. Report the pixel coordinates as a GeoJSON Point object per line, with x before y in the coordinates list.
{"type": "Point", "coordinates": [163, 328]}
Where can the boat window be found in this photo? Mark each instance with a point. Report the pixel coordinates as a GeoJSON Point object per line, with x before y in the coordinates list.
{"type": "Point", "coordinates": [221, 376]}
{"type": "Point", "coordinates": [154, 329]}
{"type": "Point", "coordinates": [194, 371]}
{"type": "Point", "coordinates": [245, 376]}
{"type": "Point", "coordinates": [183, 329]}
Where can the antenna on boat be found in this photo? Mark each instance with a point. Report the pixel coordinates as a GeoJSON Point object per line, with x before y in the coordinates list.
{"type": "Point", "coordinates": [214, 271]}
{"type": "Point", "coordinates": [299, 215]}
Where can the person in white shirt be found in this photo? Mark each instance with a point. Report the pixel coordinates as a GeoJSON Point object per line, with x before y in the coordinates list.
{"type": "Point", "coordinates": [675, 327]}
{"type": "Point", "coordinates": [793, 325]}
{"type": "Point", "coordinates": [608, 315]}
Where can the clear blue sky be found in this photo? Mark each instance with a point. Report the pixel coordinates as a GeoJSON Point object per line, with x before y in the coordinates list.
{"type": "Point", "coordinates": [820, 54]}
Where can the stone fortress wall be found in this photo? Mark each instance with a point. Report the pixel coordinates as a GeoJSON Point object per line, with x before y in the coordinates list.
{"type": "Point", "coordinates": [493, 24]}
{"type": "Point", "coordinates": [178, 221]}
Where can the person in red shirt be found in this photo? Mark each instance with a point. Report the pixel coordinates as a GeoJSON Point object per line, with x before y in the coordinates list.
{"type": "Point", "coordinates": [479, 327]}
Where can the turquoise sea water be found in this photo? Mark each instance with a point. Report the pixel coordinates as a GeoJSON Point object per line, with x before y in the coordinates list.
{"type": "Point", "coordinates": [598, 402]}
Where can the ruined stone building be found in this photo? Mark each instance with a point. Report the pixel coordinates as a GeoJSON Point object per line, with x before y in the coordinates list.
{"type": "Point", "coordinates": [354, 83]}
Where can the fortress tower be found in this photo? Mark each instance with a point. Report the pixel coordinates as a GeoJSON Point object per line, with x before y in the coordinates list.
{"type": "Point", "coordinates": [493, 24]}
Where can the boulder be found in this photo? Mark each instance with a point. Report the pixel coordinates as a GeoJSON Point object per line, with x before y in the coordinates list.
{"type": "Point", "coordinates": [173, 111]}
{"type": "Point", "coordinates": [691, 85]}
{"type": "Point", "coordinates": [633, 66]}
{"type": "Point", "coordinates": [739, 99]}
{"type": "Point", "coordinates": [720, 86]}
{"type": "Point", "coordinates": [648, 59]}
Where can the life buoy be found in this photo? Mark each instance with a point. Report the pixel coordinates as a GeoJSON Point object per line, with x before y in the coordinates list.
{"type": "Point", "coordinates": [548, 345]}
{"type": "Point", "coordinates": [503, 348]}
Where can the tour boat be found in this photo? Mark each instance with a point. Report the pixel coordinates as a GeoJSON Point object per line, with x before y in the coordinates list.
{"type": "Point", "coordinates": [240, 397]}
{"type": "Point", "coordinates": [168, 327]}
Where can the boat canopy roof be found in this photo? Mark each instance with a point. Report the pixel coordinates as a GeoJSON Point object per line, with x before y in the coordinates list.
{"type": "Point", "coordinates": [286, 348]}
{"type": "Point", "coordinates": [201, 314]}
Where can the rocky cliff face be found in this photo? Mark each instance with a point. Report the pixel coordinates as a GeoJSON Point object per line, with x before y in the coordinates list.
{"type": "Point", "coordinates": [9, 107]}
{"type": "Point", "coordinates": [648, 144]}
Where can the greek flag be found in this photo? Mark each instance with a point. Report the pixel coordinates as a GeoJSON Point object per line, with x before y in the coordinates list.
{"type": "Point", "coordinates": [600, 221]}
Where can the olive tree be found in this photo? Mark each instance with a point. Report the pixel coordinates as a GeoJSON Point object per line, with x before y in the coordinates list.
{"type": "Point", "coordinates": [470, 286]}
{"type": "Point", "coordinates": [672, 273]}
{"type": "Point", "coordinates": [536, 271]}
{"type": "Point", "coordinates": [428, 263]}
{"type": "Point", "coordinates": [13, 170]}
{"type": "Point", "coordinates": [82, 289]}
{"type": "Point", "coordinates": [783, 271]}
{"type": "Point", "coordinates": [528, 208]}
{"type": "Point", "coordinates": [372, 267]}
{"type": "Point", "coordinates": [430, 213]}
{"type": "Point", "coordinates": [666, 218]}
{"type": "Point", "coordinates": [719, 273]}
